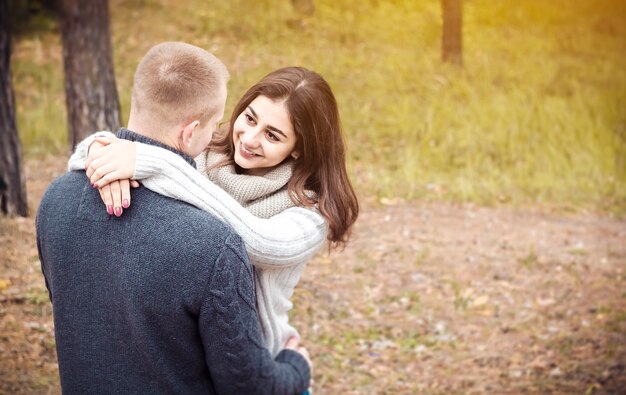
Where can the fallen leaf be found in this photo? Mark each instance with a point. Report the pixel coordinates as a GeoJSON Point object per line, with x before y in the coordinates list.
{"type": "Point", "coordinates": [4, 283]}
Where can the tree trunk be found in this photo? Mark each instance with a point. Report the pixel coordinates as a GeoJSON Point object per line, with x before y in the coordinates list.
{"type": "Point", "coordinates": [12, 186]}
{"type": "Point", "coordinates": [90, 92]}
{"type": "Point", "coordinates": [452, 43]}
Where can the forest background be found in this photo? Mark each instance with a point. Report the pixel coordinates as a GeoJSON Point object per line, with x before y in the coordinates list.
{"type": "Point", "coordinates": [536, 113]}
{"type": "Point", "coordinates": [534, 121]}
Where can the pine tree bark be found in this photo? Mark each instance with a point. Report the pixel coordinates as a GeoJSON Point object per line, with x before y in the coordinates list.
{"type": "Point", "coordinates": [90, 91]}
{"type": "Point", "coordinates": [12, 184]}
{"type": "Point", "coordinates": [452, 43]}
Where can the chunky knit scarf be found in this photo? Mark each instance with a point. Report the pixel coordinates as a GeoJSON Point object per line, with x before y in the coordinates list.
{"type": "Point", "coordinates": [263, 196]}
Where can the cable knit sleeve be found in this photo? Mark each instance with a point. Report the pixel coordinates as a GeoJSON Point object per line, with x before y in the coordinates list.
{"type": "Point", "coordinates": [289, 238]}
{"type": "Point", "coordinates": [235, 354]}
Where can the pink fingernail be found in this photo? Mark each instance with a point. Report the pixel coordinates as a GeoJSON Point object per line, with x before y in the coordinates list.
{"type": "Point", "coordinates": [125, 203]}
{"type": "Point", "coordinates": [109, 209]}
{"type": "Point", "coordinates": [94, 186]}
{"type": "Point", "coordinates": [118, 211]}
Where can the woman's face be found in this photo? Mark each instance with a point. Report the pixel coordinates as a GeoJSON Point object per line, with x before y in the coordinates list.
{"type": "Point", "coordinates": [263, 136]}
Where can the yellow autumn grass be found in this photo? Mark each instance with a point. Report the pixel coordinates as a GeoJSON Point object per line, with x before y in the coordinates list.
{"type": "Point", "coordinates": [536, 114]}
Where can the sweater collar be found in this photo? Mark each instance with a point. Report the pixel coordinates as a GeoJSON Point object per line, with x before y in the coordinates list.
{"type": "Point", "coordinates": [245, 188]}
{"type": "Point", "coordinates": [126, 134]}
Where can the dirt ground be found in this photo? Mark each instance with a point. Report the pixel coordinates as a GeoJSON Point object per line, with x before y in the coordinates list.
{"type": "Point", "coordinates": [428, 298]}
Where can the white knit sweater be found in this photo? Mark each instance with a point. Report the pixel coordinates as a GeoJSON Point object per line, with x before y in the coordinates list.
{"type": "Point", "coordinates": [279, 246]}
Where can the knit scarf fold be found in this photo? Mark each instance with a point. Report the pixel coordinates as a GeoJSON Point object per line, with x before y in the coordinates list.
{"type": "Point", "coordinates": [263, 196]}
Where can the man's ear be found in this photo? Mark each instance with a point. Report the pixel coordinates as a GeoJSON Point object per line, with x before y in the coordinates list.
{"type": "Point", "coordinates": [187, 132]}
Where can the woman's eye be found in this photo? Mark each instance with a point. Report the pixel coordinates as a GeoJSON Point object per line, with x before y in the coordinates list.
{"type": "Point", "coordinates": [248, 117]}
{"type": "Point", "coordinates": [272, 136]}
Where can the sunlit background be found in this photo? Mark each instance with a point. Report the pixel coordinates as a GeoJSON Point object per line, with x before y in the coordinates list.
{"type": "Point", "coordinates": [535, 114]}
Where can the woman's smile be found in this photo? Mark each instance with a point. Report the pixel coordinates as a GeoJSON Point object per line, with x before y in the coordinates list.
{"type": "Point", "coordinates": [247, 153]}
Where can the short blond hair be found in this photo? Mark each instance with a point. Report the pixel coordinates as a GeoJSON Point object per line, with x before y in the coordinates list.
{"type": "Point", "coordinates": [176, 82]}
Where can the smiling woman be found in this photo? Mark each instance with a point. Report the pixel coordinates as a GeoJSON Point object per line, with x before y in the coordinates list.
{"type": "Point", "coordinates": [298, 99]}
{"type": "Point", "coordinates": [263, 136]}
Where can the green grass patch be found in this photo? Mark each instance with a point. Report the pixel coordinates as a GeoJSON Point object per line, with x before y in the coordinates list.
{"type": "Point", "coordinates": [535, 115]}
{"type": "Point", "coordinates": [529, 261]}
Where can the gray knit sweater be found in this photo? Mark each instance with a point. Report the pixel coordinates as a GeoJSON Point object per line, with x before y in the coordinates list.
{"type": "Point", "coordinates": [262, 196]}
{"type": "Point", "coordinates": [278, 246]}
{"type": "Point", "coordinates": [143, 305]}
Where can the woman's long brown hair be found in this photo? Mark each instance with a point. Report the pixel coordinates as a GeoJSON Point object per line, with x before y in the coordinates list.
{"type": "Point", "coordinates": [321, 166]}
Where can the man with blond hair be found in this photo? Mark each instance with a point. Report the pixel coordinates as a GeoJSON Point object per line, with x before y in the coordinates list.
{"type": "Point", "coordinates": [161, 299]}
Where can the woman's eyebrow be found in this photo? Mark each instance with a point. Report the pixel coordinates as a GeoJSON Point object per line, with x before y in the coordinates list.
{"type": "Point", "coordinates": [273, 129]}
{"type": "Point", "coordinates": [270, 127]}
{"type": "Point", "coordinates": [252, 111]}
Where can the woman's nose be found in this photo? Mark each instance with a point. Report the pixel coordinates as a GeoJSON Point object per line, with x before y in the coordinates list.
{"type": "Point", "coordinates": [251, 138]}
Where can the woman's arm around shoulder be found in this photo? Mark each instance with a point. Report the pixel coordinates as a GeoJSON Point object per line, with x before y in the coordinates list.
{"type": "Point", "coordinates": [288, 238]}
{"type": "Point", "coordinates": [79, 158]}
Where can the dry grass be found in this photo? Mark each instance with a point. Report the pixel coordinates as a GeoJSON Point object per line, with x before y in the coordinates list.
{"type": "Point", "coordinates": [535, 115]}
{"type": "Point", "coordinates": [428, 298]}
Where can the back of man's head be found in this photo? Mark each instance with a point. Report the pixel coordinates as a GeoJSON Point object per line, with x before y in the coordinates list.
{"type": "Point", "coordinates": [175, 83]}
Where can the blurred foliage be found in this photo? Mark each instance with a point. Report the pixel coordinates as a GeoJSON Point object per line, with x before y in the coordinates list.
{"type": "Point", "coordinates": [535, 115]}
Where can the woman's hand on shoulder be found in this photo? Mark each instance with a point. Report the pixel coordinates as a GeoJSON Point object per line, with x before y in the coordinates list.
{"type": "Point", "coordinates": [116, 196]}
{"type": "Point", "coordinates": [110, 159]}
